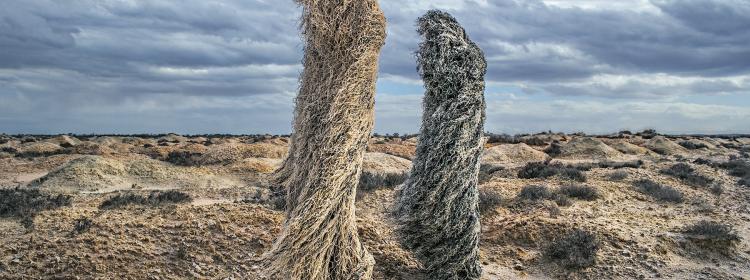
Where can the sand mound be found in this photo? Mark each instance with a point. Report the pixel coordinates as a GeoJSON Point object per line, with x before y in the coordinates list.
{"type": "Point", "coordinates": [587, 148]}
{"type": "Point", "coordinates": [385, 163]}
{"type": "Point", "coordinates": [106, 140]}
{"type": "Point", "coordinates": [34, 149]}
{"type": "Point", "coordinates": [235, 152]}
{"type": "Point", "coordinates": [664, 146]}
{"type": "Point", "coordinates": [138, 142]}
{"type": "Point", "coordinates": [84, 174]}
{"type": "Point", "coordinates": [256, 165]}
{"type": "Point", "coordinates": [172, 138]}
{"type": "Point", "coordinates": [65, 141]}
{"type": "Point", "coordinates": [405, 150]}
{"type": "Point", "coordinates": [95, 173]}
{"type": "Point", "coordinates": [512, 154]}
{"type": "Point", "coordinates": [90, 148]}
{"type": "Point", "coordinates": [628, 148]}
{"type": "Point", "coordinates": [743, 141]}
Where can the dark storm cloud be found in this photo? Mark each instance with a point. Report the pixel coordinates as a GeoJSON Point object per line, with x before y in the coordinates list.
{"type": "Point", "coordinates": [129, 60]}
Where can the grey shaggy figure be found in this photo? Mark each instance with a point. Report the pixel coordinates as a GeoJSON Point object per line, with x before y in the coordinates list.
{"type": "Point", "coordinates": [438, 205]}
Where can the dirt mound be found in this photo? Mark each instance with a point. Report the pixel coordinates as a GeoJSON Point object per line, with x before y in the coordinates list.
{"type": "Point", "coordinates": [587, 148]}
{"type": "Point", "coordinates": [256, 165]}
{"type": "Point", "coordinates": [406, 150]}
{"type": "Point", "coordinates": [84, 174]}
{"type": "Point", "coordinates": [235, 152]}
{"type": "Point", "coordinates": [106, 140]}
{"type": "Point", "coordinates": [172, 138]}
{"type": "Point", "coordinates": [743, 141]}
{"type": "Point", "coordinates": [628, 148]}
{"type": "Point", "coordinates": [65, 141]}
{"type": "Point", "coordinates": [95, 173]}
{"type": "Point", "coordinates": [35, 149]}
{"type": "Point", "coordinates": [90, 148]}
{"type": "Point", "coordinates": [385, 163]}
{"type": "Point", "coordinates": [512, 154]}
{"type": "Point", "coordinates": [664, 146]}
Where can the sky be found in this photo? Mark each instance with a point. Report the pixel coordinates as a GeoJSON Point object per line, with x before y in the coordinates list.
{"type": "Point", "coordinates": [232, 66]}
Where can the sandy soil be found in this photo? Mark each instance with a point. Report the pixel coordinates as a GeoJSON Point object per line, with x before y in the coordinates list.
{"type": "Point", "coordinates": [224, 231]}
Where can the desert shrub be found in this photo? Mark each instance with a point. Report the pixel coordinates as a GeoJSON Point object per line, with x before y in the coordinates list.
{"type": "Point", "coordinates": [712, 235]}
{"type": "Point", "coordinates": [625, 132]}
{"type": "Point", "coordinates": [658, 191]}
{"type": "Point", "coordinates": [717, 189]}
{"type": "Point", "coordinates": [154, 199]}
{"type": "Point", "coordinates": [534, 192]}
{"type": "Point", "coordinates": [703, 161]}
{"type": "Point", "coordinates": [24, 204]}
{"type": "Point", "coordinates": [534, 141]}
{"type": "Point", "coordinates": [502, 139]}
{"type": "Point", "coordinates": [620, 164]}
{"type": "Point", "coordinates": [82, 225]}
{"type": "Point", "coordinates": [648, 134]}
{"type": "Point", "coordinates": [184, 158]}
{"type": "Point", "coordinates": [574, 250]}
{"type": "Point", "coordinates": [489, 200]}
{"type": "Point", "coordinates": [9, 150]}
{"type": "Point", "coordinates": [584, 192]}
{"type": "Point", "coordinates": [543, 170]}
{"type": "Point", "coordinates": [562, 200]}
{"type": "Point", "coordinates": [688, 175]}
{"type": "Point", "coordinates": [486, 171]}
{"type": "Point", "coordinates": [738, 168]}
{"type": "Point", "coordinates": [692, 146]}
{"type": "Point", "coordinates": [618, 175]}
{"type": "Point", "coordinates": [554, 149]}
{"type": "Point", "coordinates": [372, 180]}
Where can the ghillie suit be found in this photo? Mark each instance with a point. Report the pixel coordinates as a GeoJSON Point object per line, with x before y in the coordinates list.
{"type": "Point", "coordinates": [438, 205]}
{"type": "Point", "coordinates": [332, 125]}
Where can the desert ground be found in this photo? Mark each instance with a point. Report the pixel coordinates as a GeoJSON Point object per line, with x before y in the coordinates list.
{"type": "Point", "coordinates": [554, 206]}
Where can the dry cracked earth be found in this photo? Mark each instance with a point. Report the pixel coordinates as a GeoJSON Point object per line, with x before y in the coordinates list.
{"type": "Point", "coordinates": [554, 206]}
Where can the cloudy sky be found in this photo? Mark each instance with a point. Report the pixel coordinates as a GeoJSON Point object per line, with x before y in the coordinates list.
{"type": "Point", "coordinates": [231, 66]}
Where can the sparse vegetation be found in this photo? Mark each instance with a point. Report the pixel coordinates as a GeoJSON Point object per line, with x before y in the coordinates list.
{"type": "Point", "coordinates": [372, 180]}
{"type": "Point", "coordinates": [486, 171]}
{"type": "Point", "coordinates": [554, 149]}
{"type": "Point", "coordinates": [607, 164]}
{"type": "Point", "coordinates": [658, 191]}
{"type": "Point", "coordinates": [692, 145]}
{"type": "Point", "coordinates": [82, 225]}
{"type": "Point", "coordinates": [534, 192]}
{"type": "Point", "coordinates": [738, 168]}
{"type": "Point", "coordinates": [584, 192]}
{"type": "Point", "coordinates": [24, 204]}
{"type": "Point", "coordinates": [648, 134]}
{"type": "Point", "coordinates": [154, 199]}
{"type": "Point", "coordinates": [489, 200]}
{"type": "Point", "coordinates": [712, 235]}
{"type": "Point", "coordinates": [575, 250]}
{"type": "Point", "coordinates": [688, 175]}
{"type": "Point", "coordinates": [184, 158]}
{"type": "Point", "coordinates": [544, 170]}
{"type": "Point", "coordinates": [618, 175]}
{"type": "Point", "coordinates": [562, 200]}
